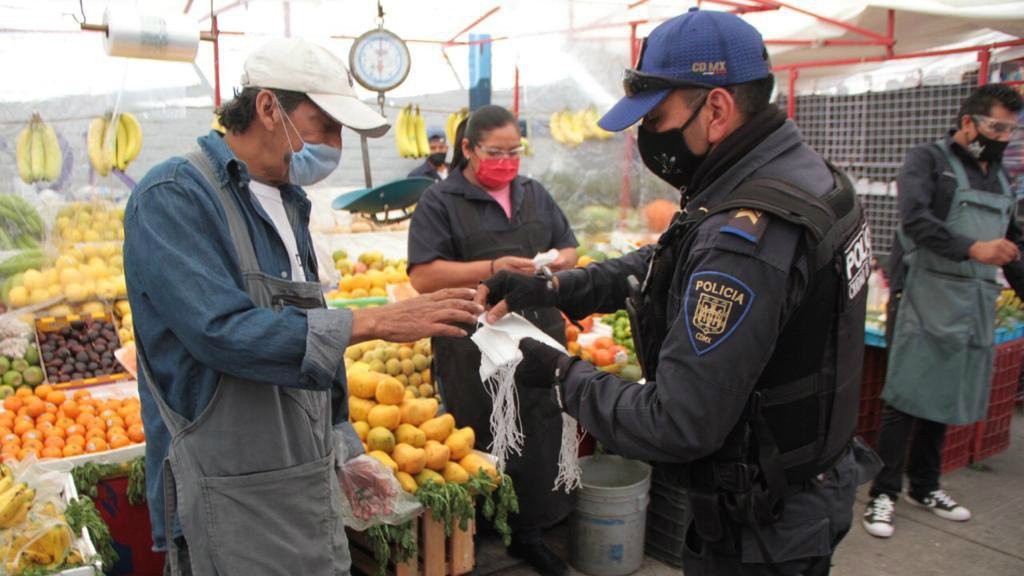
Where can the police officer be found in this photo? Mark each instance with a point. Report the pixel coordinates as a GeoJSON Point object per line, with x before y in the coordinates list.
{"type": "Point", "coordinates": [957, 229]}
{"type": "Point", "coordinates": [749, 310]}
{"type": "Point", "coordinates": [434, 166]}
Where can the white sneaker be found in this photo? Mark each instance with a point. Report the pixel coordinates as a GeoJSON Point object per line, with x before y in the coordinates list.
{"type": "Point", "coordinates": [878, 516]}
{"type": "Point", "coordinates": [943, 506]}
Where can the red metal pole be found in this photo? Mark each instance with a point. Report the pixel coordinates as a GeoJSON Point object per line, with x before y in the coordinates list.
{"type": "Point", "coordinates": [890, 32]}
{"type": "Point", "coordinates": [515, 95]}
{"type": "Point", "coordinates": [216, 63]}
{"type": "Point", "coordinates": [791, 97]}
{"type": "Point", "coordinates": [907, 56]}
{"type": "Point", "coordinates": [475, 22]}
{"type": "Point", "coordinates": [832, 21]}
{"type": "Point", "coordinates": [983, 57]}
{"type": "Point", "coordinates": [625, 196]}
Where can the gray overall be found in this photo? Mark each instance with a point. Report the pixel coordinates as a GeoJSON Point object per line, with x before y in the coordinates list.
{"type": "Point", "coordinates": [252, 478]}
{"type": "Point", "coordinates": [940, 364]}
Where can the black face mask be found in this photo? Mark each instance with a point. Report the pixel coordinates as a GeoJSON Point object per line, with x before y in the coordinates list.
{"type": "Point", "coordinates": [667, 155]}
{"type": "Point", "coordinates": [986, 149]}
{"type": "Point", "coordinates": [437, 158]}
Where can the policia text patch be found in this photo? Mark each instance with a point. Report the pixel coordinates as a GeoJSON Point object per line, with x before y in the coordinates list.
{"type": "Point", "coordinates": [715, 304]}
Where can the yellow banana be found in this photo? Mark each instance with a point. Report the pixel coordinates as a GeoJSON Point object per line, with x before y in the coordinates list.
{"type": "Point", "coordinates": [6, 483]}
{"type": "Point", "coordinates": [38, 152]}
{"type": "Point", "coordinates": [555, 125]}
{"type": "Point", "coordinates": [412, 150]}
{"type": "Point", "coordinates": [53, 159]}
{"type": "Point", "coordinates": [134, 130]}
{"type": "Point", "coordinates": [11, 502]}
{"type": "Point", "coordinates": [110, 143]}
{"type": "Point", "coordinates": [94, 146]}
{"type": "Point", "coordinates": [121, 146]}
{"type": "Point", "coordinates": [5, 472]}
{"type": "Point", "coordinates": [422, 144]}
{"type": "Point", "coordinates": [450, 126]}
{"type": "Point", "coordinates": [24, 154]}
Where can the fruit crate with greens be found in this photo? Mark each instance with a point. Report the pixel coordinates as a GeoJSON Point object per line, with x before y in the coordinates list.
{"type": "Point", "coordinates": [608, 346]}
{"type": "Point", "coordinates": [394, 410]}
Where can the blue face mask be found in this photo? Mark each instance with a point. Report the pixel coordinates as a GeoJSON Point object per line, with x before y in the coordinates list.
{"type": "Point", "coordinates": [313, 162]}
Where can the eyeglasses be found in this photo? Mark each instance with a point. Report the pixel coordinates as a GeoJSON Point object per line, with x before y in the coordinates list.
{"type": "Point", "coordinates": [500, 153]}
{"type": "Point", "coordinates": [998, 127]}
{"type": "Point", "coordinates": [636, 82]}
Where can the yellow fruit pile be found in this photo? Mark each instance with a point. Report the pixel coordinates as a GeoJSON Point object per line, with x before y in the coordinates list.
{"type": "Point", "coordinates": [83, 273]}
{"type": "Point", "coordinates": [409, 364]}
{"type": "Point", "coordinates": [368, 276]}
{"type": "Point", "coordinates": [89, 222]}
{"type": "Point", "coordinates": [405, 433]}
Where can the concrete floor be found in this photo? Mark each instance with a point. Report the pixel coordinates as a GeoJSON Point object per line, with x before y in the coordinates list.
{"type": "Point", "coordinates": [991, 544]}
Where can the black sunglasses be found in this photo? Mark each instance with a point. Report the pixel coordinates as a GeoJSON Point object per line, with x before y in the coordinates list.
{"type": "Point", "coordinates": [636, 82]}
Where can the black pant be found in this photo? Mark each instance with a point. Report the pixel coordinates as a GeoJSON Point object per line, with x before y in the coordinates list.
{"type": "Point", "coordinates": [925, 454]}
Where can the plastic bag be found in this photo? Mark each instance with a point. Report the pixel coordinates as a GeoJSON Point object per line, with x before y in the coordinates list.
{"type": "Point", "coordinates": [373, 495]}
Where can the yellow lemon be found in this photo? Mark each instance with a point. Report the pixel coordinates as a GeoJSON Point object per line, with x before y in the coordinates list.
{"type": "Point", "coordinates": [51, 276]}
{"type": "Point", "coordinates": [74, 292]}
{"type": "Point", "coordinates": [32, 279]}
{"type": "Point", "coordinates": [38, 296]}
{"type": "Point", "coordinates": [70, 276]}
{"type": "Point", "coordinates": [18, 297]}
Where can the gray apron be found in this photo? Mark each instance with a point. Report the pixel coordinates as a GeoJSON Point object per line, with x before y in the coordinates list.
{"type": "Point", "coordinates": [940, 363]}
{"type": "Point", "coordinates": [252, 478]}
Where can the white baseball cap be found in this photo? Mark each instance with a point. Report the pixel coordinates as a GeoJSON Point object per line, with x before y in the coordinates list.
{"type": "Point", "coordinates": [301, 66]}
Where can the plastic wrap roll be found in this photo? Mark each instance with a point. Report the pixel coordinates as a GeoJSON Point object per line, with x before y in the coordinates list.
{"type": "Point", "coordinates": [134, 35]}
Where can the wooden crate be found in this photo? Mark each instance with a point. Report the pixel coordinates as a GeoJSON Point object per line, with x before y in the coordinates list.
{"type": "Point", "coordinates": [437, 555]}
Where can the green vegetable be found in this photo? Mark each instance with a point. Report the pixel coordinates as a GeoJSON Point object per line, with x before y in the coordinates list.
{"type": "Point", "coordinates": [81, 513]}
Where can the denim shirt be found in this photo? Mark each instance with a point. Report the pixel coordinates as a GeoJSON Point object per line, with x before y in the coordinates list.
{"type": "Point", "coordinates": [192, 314]}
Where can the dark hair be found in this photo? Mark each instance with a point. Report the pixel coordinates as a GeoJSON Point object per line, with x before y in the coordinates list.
{"type": "Point", "coordinates": [754, 96]}
{"type": "Point", "coordinates": [480, 122]}
{"type": "Point", "coordinates": [237, 114]}
{"type": "Point", "coordinates": [982, 100]}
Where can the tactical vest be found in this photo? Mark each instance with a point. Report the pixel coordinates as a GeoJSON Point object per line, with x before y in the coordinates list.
{"type": "Point", "coordinates": [802, 414]}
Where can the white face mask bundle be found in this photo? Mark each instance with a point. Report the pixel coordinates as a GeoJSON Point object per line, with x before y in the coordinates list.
{"type": "Point", "coordinates": [500, 356]}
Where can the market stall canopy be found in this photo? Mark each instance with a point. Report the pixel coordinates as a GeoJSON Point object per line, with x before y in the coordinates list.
{"type": "Point", "coordinates": [919, 25]}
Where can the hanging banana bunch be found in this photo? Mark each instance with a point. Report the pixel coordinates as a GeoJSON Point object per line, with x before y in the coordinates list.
{"type": "Point", "coordinates": [573, 128]}
{"type": "Point", "coordinates": [422, 144]}
{"type": "Point", "coordinates": [39, 156]}
{"type": "Point", "coordinates": [113, 142]}
{"type": "Point", "coordinates": [452, 124]}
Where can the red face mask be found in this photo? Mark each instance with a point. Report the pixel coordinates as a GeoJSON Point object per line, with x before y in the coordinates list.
{"type": "Point", "coordinates": [496, 173]}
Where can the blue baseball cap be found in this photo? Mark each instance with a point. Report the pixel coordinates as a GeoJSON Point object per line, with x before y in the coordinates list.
{"type": "Point", "coordinates": [700, 49]}
{"type": "Point", "coordinates": [436, 132]}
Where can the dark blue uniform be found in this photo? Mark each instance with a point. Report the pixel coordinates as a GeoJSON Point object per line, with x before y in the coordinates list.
{"type": "Point", "coordinates": [732, 297]}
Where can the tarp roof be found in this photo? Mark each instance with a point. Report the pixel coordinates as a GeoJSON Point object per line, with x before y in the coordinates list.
{"type": "Point", "coordinates": [51, 57]}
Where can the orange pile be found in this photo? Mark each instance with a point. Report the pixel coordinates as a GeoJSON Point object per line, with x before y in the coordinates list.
{"type": "Point", "coordinates": [50, 423]}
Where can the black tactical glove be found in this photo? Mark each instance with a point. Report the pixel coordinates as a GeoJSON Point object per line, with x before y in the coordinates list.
{"type": "Point", "coordinates": [543, 367]}
{"type": "Point", "coordinates": [522, 292]}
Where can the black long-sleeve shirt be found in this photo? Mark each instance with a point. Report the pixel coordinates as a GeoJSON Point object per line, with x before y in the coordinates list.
{"type": "Point", "coordinates": [926, 184]}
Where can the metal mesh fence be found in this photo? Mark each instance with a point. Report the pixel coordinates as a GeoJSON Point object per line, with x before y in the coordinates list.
{"type": "Point", "coordinates": [868, 135]}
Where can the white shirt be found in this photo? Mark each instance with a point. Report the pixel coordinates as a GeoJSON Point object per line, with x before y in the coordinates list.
{"type": "Point", "coordinates": [270, 198]}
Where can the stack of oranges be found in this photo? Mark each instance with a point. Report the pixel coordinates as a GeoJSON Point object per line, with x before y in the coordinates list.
{"type": "Point", "coordinates": [48, 423]}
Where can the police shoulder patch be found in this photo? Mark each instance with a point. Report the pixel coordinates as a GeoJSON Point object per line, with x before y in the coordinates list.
{"type": "Point", "coordinates": [746, 223]}
{"type": "Point", "coordinates": [716, 303]}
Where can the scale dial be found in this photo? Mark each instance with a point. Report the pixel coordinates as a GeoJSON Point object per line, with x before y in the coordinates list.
{"type": "Point", "coordinates": [379, 60]}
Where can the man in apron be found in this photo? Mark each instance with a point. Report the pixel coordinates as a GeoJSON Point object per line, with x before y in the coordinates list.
{"type": "Point", "coordinates": [957, 228]}
{"type": "Point", "coordinates": [242, 370]}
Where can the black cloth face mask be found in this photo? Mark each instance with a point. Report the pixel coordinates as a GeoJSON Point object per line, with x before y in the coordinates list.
{"type": "Point", "coordinates": [667, 155]}
{"type": "Point", "coordinates": [436, 159]}
{"type": "Point", "coordinates": [987, 149]}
